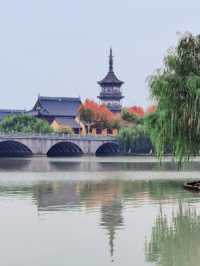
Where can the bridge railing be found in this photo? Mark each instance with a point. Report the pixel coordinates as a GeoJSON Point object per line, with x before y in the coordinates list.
{"type": "Point", "coordinates": [54, 136]}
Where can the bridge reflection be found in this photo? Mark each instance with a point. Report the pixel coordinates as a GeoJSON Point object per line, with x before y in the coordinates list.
{"type": "Point", "coordinates": [91, 166]}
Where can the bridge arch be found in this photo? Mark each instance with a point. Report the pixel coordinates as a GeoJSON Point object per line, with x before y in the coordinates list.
{"type": "Point", "coordinates": [64, 149]}
{"type": "Point", "coordinates": [108, 149]}
{"type": "Point", "coordinates": [11, 148]}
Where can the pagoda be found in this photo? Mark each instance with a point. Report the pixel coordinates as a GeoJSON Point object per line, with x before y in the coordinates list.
{"type": "Point", "coordinates": [111, 94]}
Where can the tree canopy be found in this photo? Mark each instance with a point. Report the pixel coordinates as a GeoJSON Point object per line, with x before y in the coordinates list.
{"type": "Point", "coordinates": [130, 117]}
{"type": "Point", "coordinates": [176, 90]}
{"type": "Point", "coordinates": [136, 110]}
{"type": "Point", "coordinates": [134, 140]}
{"type": "Point", "coordinates": [100, 116]}
{"type": "Point", "coordinates": [25, 124]}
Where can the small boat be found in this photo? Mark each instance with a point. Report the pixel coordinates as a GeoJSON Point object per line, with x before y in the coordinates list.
{"type": "Point", "coordinates": [195, 185]}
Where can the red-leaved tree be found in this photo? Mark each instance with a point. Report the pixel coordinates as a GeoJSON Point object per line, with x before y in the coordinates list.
{"type": "Point", "coordinates": [150, 109]}
{"type": "Point", "coordinates": [93, 114]}
{"type": "Point", "coordinates": [136, 110]}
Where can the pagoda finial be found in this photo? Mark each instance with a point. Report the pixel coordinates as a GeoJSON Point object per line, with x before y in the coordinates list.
{"type": "Point", "coordinates": [111, 61]}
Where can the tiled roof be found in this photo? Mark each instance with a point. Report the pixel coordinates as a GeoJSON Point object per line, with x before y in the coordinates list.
{"type": "Point", "coordinates": [57, 106]}
{"type": "Point", "coordinates": [110, 79]}
{"type": "Point", "coordinates": [68, 121]}
{"type": "Point", "coordinates": [32, 113]}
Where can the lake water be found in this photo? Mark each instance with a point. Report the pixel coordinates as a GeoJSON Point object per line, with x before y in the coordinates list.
{"type": "Point", "coordinates": [89, 211]}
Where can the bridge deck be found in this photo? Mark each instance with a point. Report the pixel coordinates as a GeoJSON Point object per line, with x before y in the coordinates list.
{"type": "Point", "coordinates": [56, 136]}
{"type": "Point", "coordinates": [61, 144]}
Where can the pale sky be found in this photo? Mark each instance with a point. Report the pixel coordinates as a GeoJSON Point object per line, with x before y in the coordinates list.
{"type": "Point", "coordinates": [60, 47]}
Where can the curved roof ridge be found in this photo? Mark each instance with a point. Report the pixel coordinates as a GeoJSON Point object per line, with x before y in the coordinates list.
{"type": "Point", "coordinates": [49, 98]}
{"type": "Point", "coordinates": [110, 78]}
{"type": "Point", "coordinates": [12, 110]}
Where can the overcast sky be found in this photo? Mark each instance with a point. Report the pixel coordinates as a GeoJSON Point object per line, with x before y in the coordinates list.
{"type": "Point", "coordinates": [60, 47]}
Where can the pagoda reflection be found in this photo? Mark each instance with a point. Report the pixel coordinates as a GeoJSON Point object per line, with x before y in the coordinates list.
{"type": "Point", "coordinates": [112, 220]}
{"type": "Point", "coordinates": [107, 196]}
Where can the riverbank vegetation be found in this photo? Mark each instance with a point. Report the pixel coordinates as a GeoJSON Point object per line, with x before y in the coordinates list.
{"type": "Point", "coordinates": [132, 135]}
{"type": "Point", "coordinates": [24, 124]}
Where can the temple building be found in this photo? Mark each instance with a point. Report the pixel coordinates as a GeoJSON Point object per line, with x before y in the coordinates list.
{"type": "Point", "coordinates": [60, 112]}
{"type": "Point", "coordinates": [111, 94]}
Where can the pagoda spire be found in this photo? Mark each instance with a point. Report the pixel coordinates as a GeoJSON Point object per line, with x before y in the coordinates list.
{"type": "Point", "coordinates": [111, 61]}
{"type": "Point", "coordinates": [111, 94]}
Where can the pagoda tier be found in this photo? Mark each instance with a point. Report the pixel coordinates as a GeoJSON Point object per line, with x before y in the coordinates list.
{"type": "Point", "coordinates": [111, 94]}
{"type": "Point", "coordinates": [114, 107]}
{"type": "Point", "coordinates": [110, 80]}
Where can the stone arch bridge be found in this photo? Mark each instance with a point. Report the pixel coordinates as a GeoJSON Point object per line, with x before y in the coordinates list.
{"type": "Point", "coordinates": [12, 145]}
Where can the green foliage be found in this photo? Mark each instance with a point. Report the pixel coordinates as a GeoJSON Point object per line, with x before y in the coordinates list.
{"type": "Point", "coordinates": [24, 124]}
{"type": "Point", "coordinates": [128, 135]}
{"type": "Point", "coordinates": [129, 117]}
{"type": "Point", "coordinates": [115, 123]}
{"type": "Point", "coordinates": [65, 130]}
{"type": "Point", "coordinates": [87, 115]}
{"type": "Point", "coordinates": [176, 90]}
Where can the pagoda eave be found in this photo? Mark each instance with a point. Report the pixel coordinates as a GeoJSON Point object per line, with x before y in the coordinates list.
{"type": "Point", "coordinates": [115, 108]}
{"type": "Point", "coordinates": [110, 97]}
{"type": "Point", "coordinates": [110, 84]}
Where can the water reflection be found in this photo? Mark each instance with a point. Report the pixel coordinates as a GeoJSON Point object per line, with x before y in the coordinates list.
{"type": "Point", "coordinates": [56, 196]}
{"type": "Point", "coordinates": [175, 241]}
{"type": "Point", "coordinates": [112, 220]}
{"type": "Point", "coordinates": [89, 164]}
{"type": "Point", "coordinates": [107, 197]}
{"type": "Point", "coordinates": [59, 195]}
{"type": "Point", "coordinates": [14, 164]}
{"type": "Point", "coordinates": [111, 197]}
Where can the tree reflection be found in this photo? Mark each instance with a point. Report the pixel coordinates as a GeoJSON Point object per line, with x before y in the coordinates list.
{"type": "Point", "coordinates": [172, 243]}
{"type": "Point", "coordinates": [175, 243]}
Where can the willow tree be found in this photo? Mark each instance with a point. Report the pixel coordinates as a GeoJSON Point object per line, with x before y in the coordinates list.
{"type": "Point", "coordinates": [176, 90]}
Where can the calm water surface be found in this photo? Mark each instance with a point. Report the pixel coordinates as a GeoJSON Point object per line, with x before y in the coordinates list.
{"type": "Point", "coordinates": [98, 212]}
